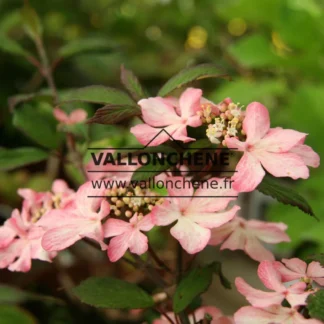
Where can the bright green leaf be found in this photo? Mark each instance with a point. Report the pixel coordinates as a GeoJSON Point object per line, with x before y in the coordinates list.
{"type": "Point", "coordinates": [315, 305]}
{"type": "Point", "coordinates": [191, 74]}
{"type": "Point", "coordinates": [113, 114]}
{"type": "Point", "coordinates": [88, 45]}
{"type": "Point", "coordinates": [112, 293]}
{"type": "Point", "coordinates": [131, 83]}
{"type": "Point", "coordinates": [15, 315]}
{"type": "Point", "coordinates": [14, 158]}
{"type": "Point", "coordinates": [270, 186]}
{"type": "Point", "coordinates": [99, 95]}
{"type": "Point", "coordinates": [38, 123]}
{"type": "Point", "coordinates": [31, 22]}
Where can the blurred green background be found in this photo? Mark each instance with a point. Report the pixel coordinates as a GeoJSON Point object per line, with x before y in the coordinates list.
{"type": "Point", "coordinates": [273, 49]}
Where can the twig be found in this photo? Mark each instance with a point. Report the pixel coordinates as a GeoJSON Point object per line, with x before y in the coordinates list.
{"type": "Point", "coordinates": [46, 68]}
{"type": "Point", "coordinates": [158, 260]}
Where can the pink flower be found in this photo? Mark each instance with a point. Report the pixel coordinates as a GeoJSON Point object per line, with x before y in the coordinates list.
{"type": "Point", "coordinates": [273, 314]}
{"type": "Point", "coordinates": [297, 269]}
{"type": "Point", "coordinates": [276, 150]}
{"type": "Point", "coordinates": [127, 235]}
{"type": "Point", "coordinates": [23, 243]}
{"type": "Point", "coordinates": [241, 234]}
{"type": "Point", "coordinates": [159, 113]}
{"type": "Point", "coordinates": [295, 294]}
{"type": "Point", "coordinates": [199, 315]}
{"type": "Point", "coordinates": [66, 226]}
{"type": "Point", "coordinates": [195, 213]}
{"type": "Point", "coordinates": [75, 117]}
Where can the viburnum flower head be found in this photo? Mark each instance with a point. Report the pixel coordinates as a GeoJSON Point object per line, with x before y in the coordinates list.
{"type": "Point", "coordinates": [279, 151]}
{"type": "Point", "coordinates": [127, 235]}
{"type": "Point", "coordinates": [292, 269]}
{"type": "Point", "coordinates": [247, 235]}
{"type": "Point", "coordinates": [75, 117]}
{"type": "Point", "coordinates": [171, 115]}
{"type": "Point", "coordinates": [66, 226]}
{"type": "Point", "coordinates": [194, 213]}
{"type": "Point", "coordinates": [271, 278]}
{"type": "Point", "coordinates": [20, 242]}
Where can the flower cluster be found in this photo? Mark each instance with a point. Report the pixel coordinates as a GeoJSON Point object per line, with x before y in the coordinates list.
{"type": "Point", "coordinates": [290, 281]}
{"type": "Point", "coordinates": [118, 218]}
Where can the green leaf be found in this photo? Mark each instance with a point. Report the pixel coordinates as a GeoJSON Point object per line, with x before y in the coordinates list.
{"type": "Point", "coordinates": [38, 123]}
{"type": "Point", "coordinates": [112, 293]}
{"type": "Point", "coordinates": [149, 171]}
{"type": "Point", "coordinates": [15, 315]}
{"type": "Point", "coordinates": [316, 257]}
{"type": "Point", "coordinates": [88, 45]}
{"type": "Point", "coordinates": [315, 305]}
{"type": "Point", "coordinates": [31, 22]}
{"type": "Point", "coordinates": [14, 158]}
{"type": "Point", "coordinates": [10, 46]}
{"type": "Point", "coordinates": [99, 95]}
{"type": "Point", "coordinates": [195, 283]}
{"type": "Point", "coordinates": [42, 95]}
{"type": "Point", "coordinates": [113, 114]}
{"type": "Point", "coordinates": [270, 186]}
{"type": "Point", "coordinates": [9, 294]}
{"type": "Point", "coordinates": [254, 52]}
{"type": "Point", "coordinates": [131, 83]}
{"type": "Point", "coordinates": [191, 74]}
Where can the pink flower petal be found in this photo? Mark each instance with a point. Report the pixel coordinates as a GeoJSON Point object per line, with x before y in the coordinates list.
{"type": "Point", "coordinates": [114, 227]}
{"type": "Point", "coordinates": [316, 272]}
{"type": "Point", "coordinates": [146, 223]}
{"type": "Point", "coordinates": [234, 143]}
{"type": "Point", "coordinates": [23, 263]}
{"type": "Point", "coordinates": [218, 235]}
{"type": "Point", "coordinates": [212, 220]}
{"type": "Point", "coordinates": [118, 246]}
{"type": "Point", "coordinates": [296, 265]}
{"type": "Point", "coordinates": [258, 298]}
{"type": "Point", "coordinates": [283, 165]}
{"type": "Point", "coordinates": [138, 243]}
{"type": "Point", "coordinates": [158, 113]}
{"type": "Point", "coordinates": [307, 154]}
{"type": "Point", "coordinates": [269, 232]}
{"type": "Point", "coordinates": [236, 241]}
{"type": "Point", "coordinates": [256, 251]}
{"type": "Point", "coordinates": [192, 237]}
{"type": "Point", "coordinates": [166, 213]}
{"type": "Point", "coordinates": [61, 115]}
{"type": "Point", "coordinates": [208, 202]}
{"type": "Point", "coordinates": [253, 315]}
{"type": "Point", "coordinates": [6, 236]}
{"type": "Point", "coordinates": [249, 174]}
{"type": "Point", "coordinates": [280, 140]}
{"type": "Point", "coordinates": [189, 102]}
{"type": "Point", "coordinates": [151, 136]}
{"type": "Point", "coordinates": [269, 276]}
{"type": "Point", "coordinates": [58, 239]}
{"type": "Point", "coordinates": [78, 116]}
{"type": "Point", "coordinates": [256, 122]}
